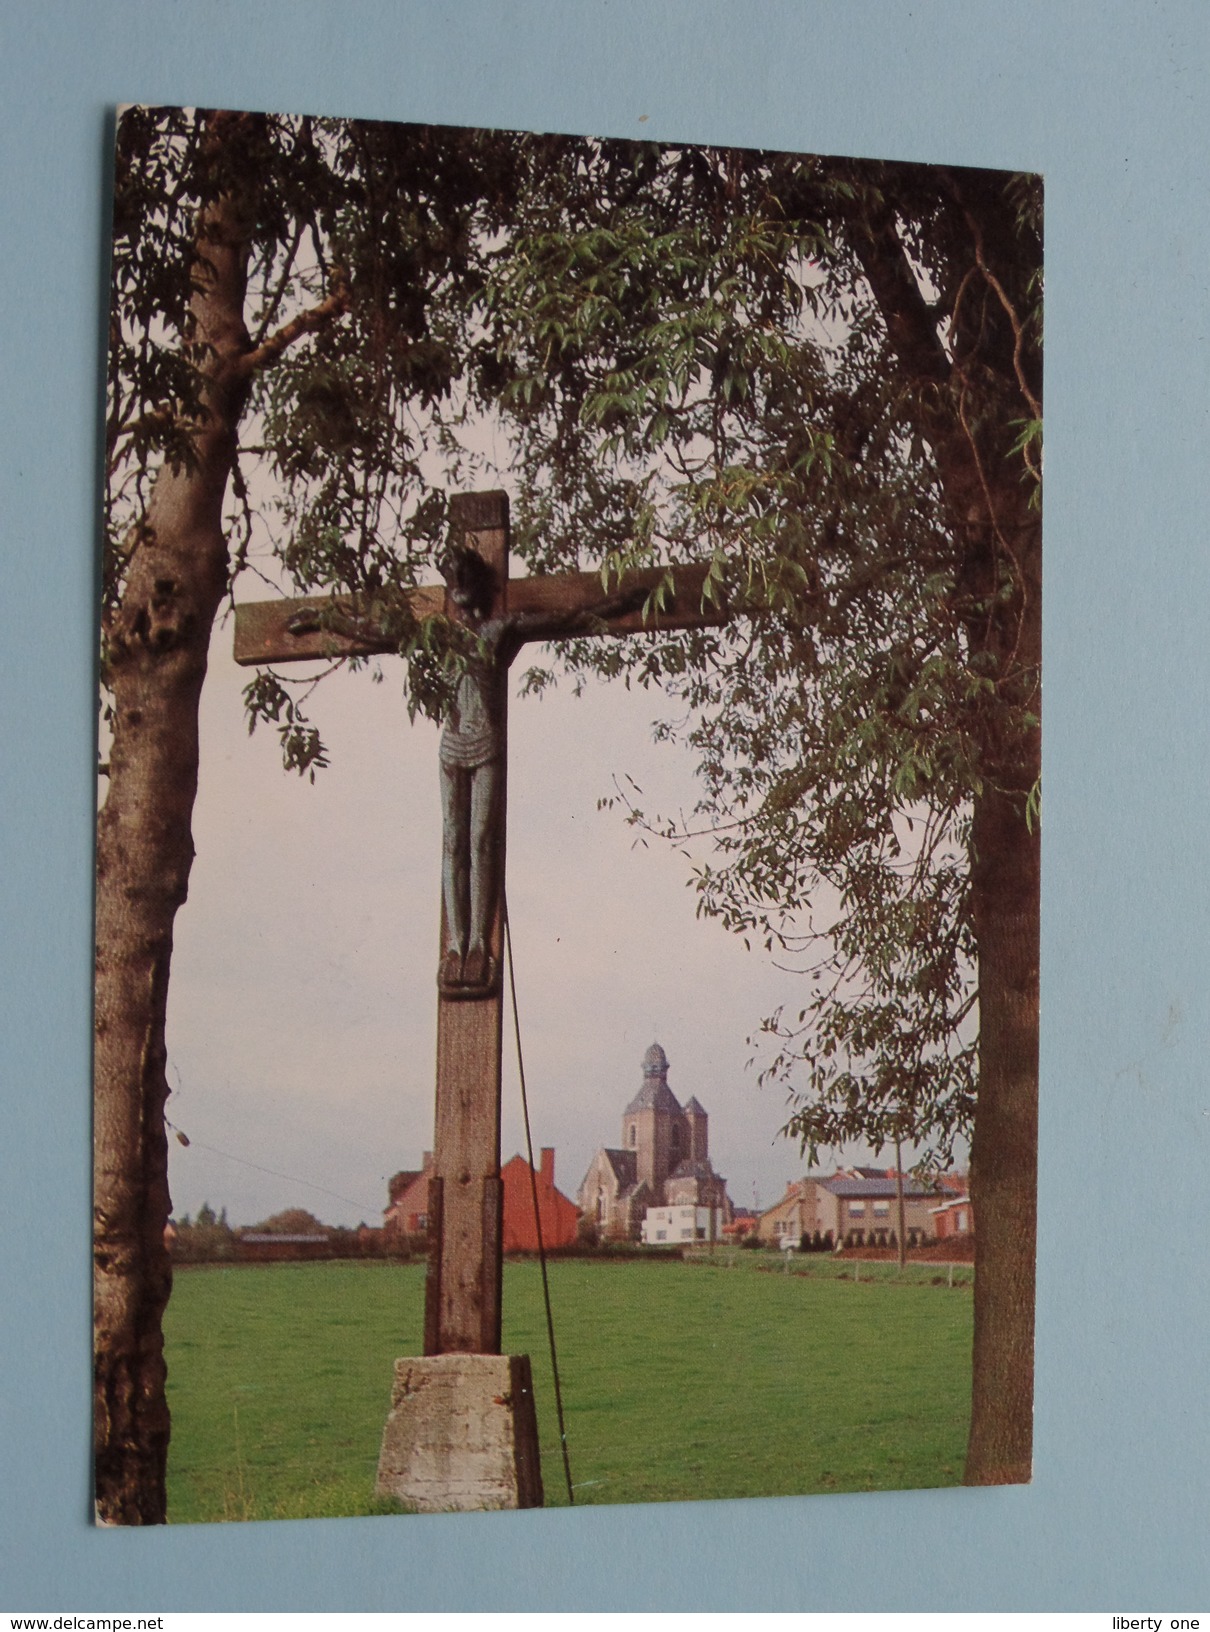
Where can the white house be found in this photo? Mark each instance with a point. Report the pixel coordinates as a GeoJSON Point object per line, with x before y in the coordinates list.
{"type": "Point", "coordinates": [676, 1226]}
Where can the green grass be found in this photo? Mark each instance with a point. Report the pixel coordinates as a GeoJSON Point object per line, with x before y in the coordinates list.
{"type": "Point", "coordinates": [680, 1381]}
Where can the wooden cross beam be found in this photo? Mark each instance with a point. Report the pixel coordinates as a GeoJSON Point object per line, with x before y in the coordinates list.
{"type": "Point", "coordinates": [462, 1293]}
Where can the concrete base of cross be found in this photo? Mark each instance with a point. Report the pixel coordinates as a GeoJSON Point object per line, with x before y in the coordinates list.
{"type": "Point", "coordinates": [462, 1434]}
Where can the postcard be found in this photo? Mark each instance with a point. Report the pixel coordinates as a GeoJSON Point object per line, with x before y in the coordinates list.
{"type": "Point", "coordinates": [569, 824]}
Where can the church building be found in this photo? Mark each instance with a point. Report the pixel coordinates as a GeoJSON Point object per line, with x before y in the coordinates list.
{"type": "Point", "coordinates": [664, 1161]}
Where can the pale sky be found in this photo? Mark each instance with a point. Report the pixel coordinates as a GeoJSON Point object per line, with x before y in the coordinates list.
{"type": "Point", "coordinates": [302, 1015]}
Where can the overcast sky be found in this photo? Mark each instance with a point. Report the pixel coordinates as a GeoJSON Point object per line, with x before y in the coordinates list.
{"type": "Point", "coordinates": [302, 1016]}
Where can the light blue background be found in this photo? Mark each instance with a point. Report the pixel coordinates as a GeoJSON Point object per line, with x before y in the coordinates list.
{"type": "Point", "coordinates": [1110, 101]}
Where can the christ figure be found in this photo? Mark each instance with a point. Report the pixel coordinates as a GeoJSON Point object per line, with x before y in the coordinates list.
{"type": "Point", "coordinates": [472, 759]}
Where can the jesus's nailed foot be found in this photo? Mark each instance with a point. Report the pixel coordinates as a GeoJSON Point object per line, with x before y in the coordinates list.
{"type": "Point", "coordinates": [464, 979]}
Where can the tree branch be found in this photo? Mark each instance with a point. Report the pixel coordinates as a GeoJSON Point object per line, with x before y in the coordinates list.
{"type": "Point", "coordinates": [308, 322]}
{"type": "Point", "coordinates": [911, 323]}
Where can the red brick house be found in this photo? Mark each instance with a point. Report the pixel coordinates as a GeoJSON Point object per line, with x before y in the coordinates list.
{"type": "Point", "coordinates": [407, 1210]}
{"type": "Point", "coordinates": [954, 1218]}
{"type": "Point", "coordinates": [560, 1217]}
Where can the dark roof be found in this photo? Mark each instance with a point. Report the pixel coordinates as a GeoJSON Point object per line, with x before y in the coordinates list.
{"type": "Point", "coordinates": [623, 1163]}
{"type": "Point", "coordinates": [655, 1094]}
{"type": "Point", "coordinates": [693, 1170]}
{"type": "Point", "coordinates": [953, 1183]}
{"type": "Point", "coordinates": [694, 1104]}
{"type": "Point", "coordinates": [858, 1188]}
{"type": "Point", "coordinates": [655, 1061]}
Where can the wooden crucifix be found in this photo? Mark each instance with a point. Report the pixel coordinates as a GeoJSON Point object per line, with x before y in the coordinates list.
{"type": "Point", "coordinates": [462, 1292]}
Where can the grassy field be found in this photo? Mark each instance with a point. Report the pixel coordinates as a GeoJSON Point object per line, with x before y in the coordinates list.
{"type": "Point", "coordinates": [680, 1380]}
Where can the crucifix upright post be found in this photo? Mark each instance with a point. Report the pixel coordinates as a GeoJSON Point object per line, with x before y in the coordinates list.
{"type": "Point", "coordinates": [462, 1292]}
{"type": "Point", "coordinates": [462, 1299]}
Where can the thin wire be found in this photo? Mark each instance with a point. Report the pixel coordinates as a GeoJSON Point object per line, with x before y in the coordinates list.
{"type": "Point", "coordinates": [533, 1185]}
{"type": "Point", "coordinates": [274, 1172]}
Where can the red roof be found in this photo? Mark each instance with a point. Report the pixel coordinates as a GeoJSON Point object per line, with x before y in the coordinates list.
{"type": "Point", "coordinates": [560, 1217]}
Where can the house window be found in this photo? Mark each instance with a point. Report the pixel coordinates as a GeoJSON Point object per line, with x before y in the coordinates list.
{"type": "Point", "coordinates": [661, 1235]}
{"type": "Point", "coordinates": [857, 1209]}
{"type": "Point", "coordinates": [633, 1135]}
{"type": "Point", "coordinates": [881, 1209]}
{"type": "Point", "coordinates": [960, 1221]}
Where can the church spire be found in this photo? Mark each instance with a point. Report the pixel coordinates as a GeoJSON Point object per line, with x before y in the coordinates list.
{"type": "Point", "coordinates": [655, 1062]}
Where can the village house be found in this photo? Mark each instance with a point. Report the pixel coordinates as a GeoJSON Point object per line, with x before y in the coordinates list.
{"type": "Point", "coordinates": [407, 1209]}
{"type": "Point", "coordinates": [406, 1213]}
{"type": "Point", "coordinates": [663, 1163]}
{"type": "Point", "coordinates": [954, 1217]}
{"type": "Point", "coordinates": [681, 1226]}
{"type": "Point", "coordinates": [560, 1217]}
{"type": "Point", "coordinates": [855, 1206]}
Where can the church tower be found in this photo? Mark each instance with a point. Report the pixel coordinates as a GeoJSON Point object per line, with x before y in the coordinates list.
{"type": "Point", "coordinates": [664, 1162]}
{"type": "Point", "coordinates": [699, 1138]}
{"type": "Point", "coordinates": [654, 1125]}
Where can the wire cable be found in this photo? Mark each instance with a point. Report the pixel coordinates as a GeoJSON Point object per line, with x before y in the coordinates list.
{"type": "Point", "coordinates": [533, 1185]}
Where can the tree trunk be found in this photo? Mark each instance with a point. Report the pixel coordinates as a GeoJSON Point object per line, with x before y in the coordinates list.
{"type": "Point", "coordinates": [987, 493]}
{"type": "Point", "coordinates": [1004, 884]}
{"type": "Point", "coordinates": [154, 665]}
{"type": "Point", "coordinates": [1005, 877]}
